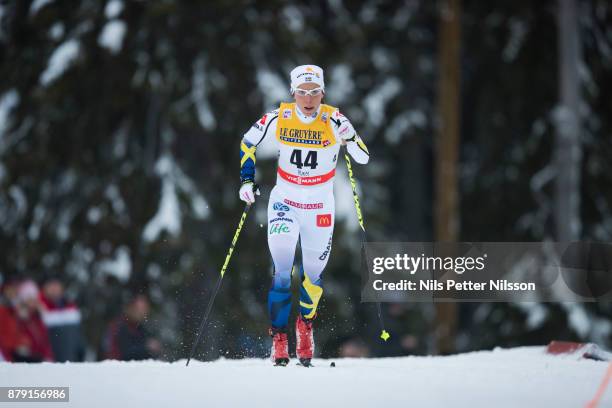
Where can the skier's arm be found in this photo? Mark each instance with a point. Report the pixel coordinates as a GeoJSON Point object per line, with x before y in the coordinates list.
{"type": "Point", "coordinates": [251, 139]}
{"type": "Point", "coordinates": [354, 145]}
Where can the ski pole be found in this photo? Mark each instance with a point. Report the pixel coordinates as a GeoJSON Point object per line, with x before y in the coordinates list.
{"type": "Point", "coordinates": [383, 334]}
{"type": "Point", "coordinates": [247, 207]}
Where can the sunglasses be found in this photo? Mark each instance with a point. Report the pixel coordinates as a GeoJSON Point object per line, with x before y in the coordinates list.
{"type": "Point", "coordinates": [312, 92]}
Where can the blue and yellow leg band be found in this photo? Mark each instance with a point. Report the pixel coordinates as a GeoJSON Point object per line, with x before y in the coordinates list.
{"type": "Point", "coordinates": [310, 294]}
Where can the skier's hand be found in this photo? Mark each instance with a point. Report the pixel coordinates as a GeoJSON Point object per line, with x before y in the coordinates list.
{"type": "Point", "coordinates": [347, 132]}
{"type": "Point", "coordinates": [247, 192]}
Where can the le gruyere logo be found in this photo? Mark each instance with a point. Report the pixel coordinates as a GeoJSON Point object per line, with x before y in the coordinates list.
{"type": "Point", "coordinates": [303, 136]}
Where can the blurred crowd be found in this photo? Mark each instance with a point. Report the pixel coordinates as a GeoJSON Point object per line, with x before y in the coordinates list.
{"type": "Point", "coordinates": [41, 323]}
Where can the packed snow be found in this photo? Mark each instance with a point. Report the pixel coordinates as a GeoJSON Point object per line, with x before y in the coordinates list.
{"type": "Point", "coordinates": [376, 101]}
{"type": "Point", "coordinates": [168, 217]}
{"type": "Point", "coordinates": [340, 85]}
{"type": "Point", "coordinates": [112, 36]}
{"type": "Point", "coordinates": [60, 61]}
{"type": "Point", "coordinates": [37, 5]}
{"type": "Point", "coordinates": [517, 377]}
{"type": "Point", "coordinates": [8, 102]}
{"type": "Point", "coordinates": [199, 95]}
{"type": "Point", "coordinates": [113, 9]}
{"type": "Point", "coordinates": [119, 266]}
{"type": "Point", "coordinates": [403, 125]}
{"type": "Point", "coordinates": [274, 89]}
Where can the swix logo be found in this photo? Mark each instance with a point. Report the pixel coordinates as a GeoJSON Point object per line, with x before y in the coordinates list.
{"type": "Point", "coordinates": [279, 228]}
{"type": "Point", "coordinates": [324, 220]}
{"type": "Point", "coordinates": [280, 207]}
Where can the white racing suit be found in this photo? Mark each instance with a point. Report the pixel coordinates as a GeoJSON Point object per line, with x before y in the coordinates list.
{"type": "Point", "coordinates": [302, 201]}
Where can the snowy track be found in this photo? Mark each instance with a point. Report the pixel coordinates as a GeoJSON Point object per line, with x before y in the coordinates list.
{"type": "Point", "coordinates": [501, 378]}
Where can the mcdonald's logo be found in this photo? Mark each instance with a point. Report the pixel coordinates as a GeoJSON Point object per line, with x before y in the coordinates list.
{"type": "Point", "coordinates": [324, 220]}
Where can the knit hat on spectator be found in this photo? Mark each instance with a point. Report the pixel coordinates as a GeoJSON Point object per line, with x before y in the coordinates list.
{"type": "Point", "coordinates": [27, 290]}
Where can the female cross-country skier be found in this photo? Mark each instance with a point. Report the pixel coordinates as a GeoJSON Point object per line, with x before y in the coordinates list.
{"type": "Point", "coordinates": [308, 135]}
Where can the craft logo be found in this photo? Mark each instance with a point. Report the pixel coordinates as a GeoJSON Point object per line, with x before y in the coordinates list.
{"type": "Point", "coordinates": [324, 220]}
{"type": "Point", "coordinates": [279, 228]}
{"type": "Point", "coordinates": [327, 250]}
{"type": "Point", "coordinates": [287, 114]}
{"type": "Point", "coordinates": [280, 207]}
{"type": "Point", "coordinates": [280, 214]}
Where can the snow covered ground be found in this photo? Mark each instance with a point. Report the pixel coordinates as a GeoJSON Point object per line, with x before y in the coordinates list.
{"type": "Point", "coordinates": [520, 377]}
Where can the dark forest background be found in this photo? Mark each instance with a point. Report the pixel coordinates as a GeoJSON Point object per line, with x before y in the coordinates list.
{"type": "Point", "coordinates": [120, 124]}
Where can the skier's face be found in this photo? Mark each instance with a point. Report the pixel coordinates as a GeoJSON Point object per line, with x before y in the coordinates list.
{"type": "Point", "coordinates": [308, 104]}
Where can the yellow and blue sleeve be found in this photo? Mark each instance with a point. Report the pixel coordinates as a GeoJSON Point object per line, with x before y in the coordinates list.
{"type": "Point", "coordinates": [247, 161]}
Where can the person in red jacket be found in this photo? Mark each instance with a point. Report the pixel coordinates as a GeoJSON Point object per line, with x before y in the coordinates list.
{"type": "Point", "coordinates": [30, 325]}
{"type": "Point", "coordinates": [14, 344]}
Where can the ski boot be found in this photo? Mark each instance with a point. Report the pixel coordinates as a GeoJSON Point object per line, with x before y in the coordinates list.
{"type": "Point", "coordinates": [280, 347]}
{"type": "Point", "coordinates": [304, 341]}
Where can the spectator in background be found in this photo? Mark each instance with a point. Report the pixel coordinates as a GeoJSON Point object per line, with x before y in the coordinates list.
{"type": "Point", "coordinates": [63, 321]}
{"type": "Point", "coordinates": [8, 294]}
{"type": "Point", "coordinates": [353, 348]}
{"type": "Point", "coordinates": [12, 342]}
{"type": "Point", "coordinates": [127, 338]}
{"type": "Point", "coordinates": [14, 345]}
{"type": "Point", "coordinates": [30, 326]}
